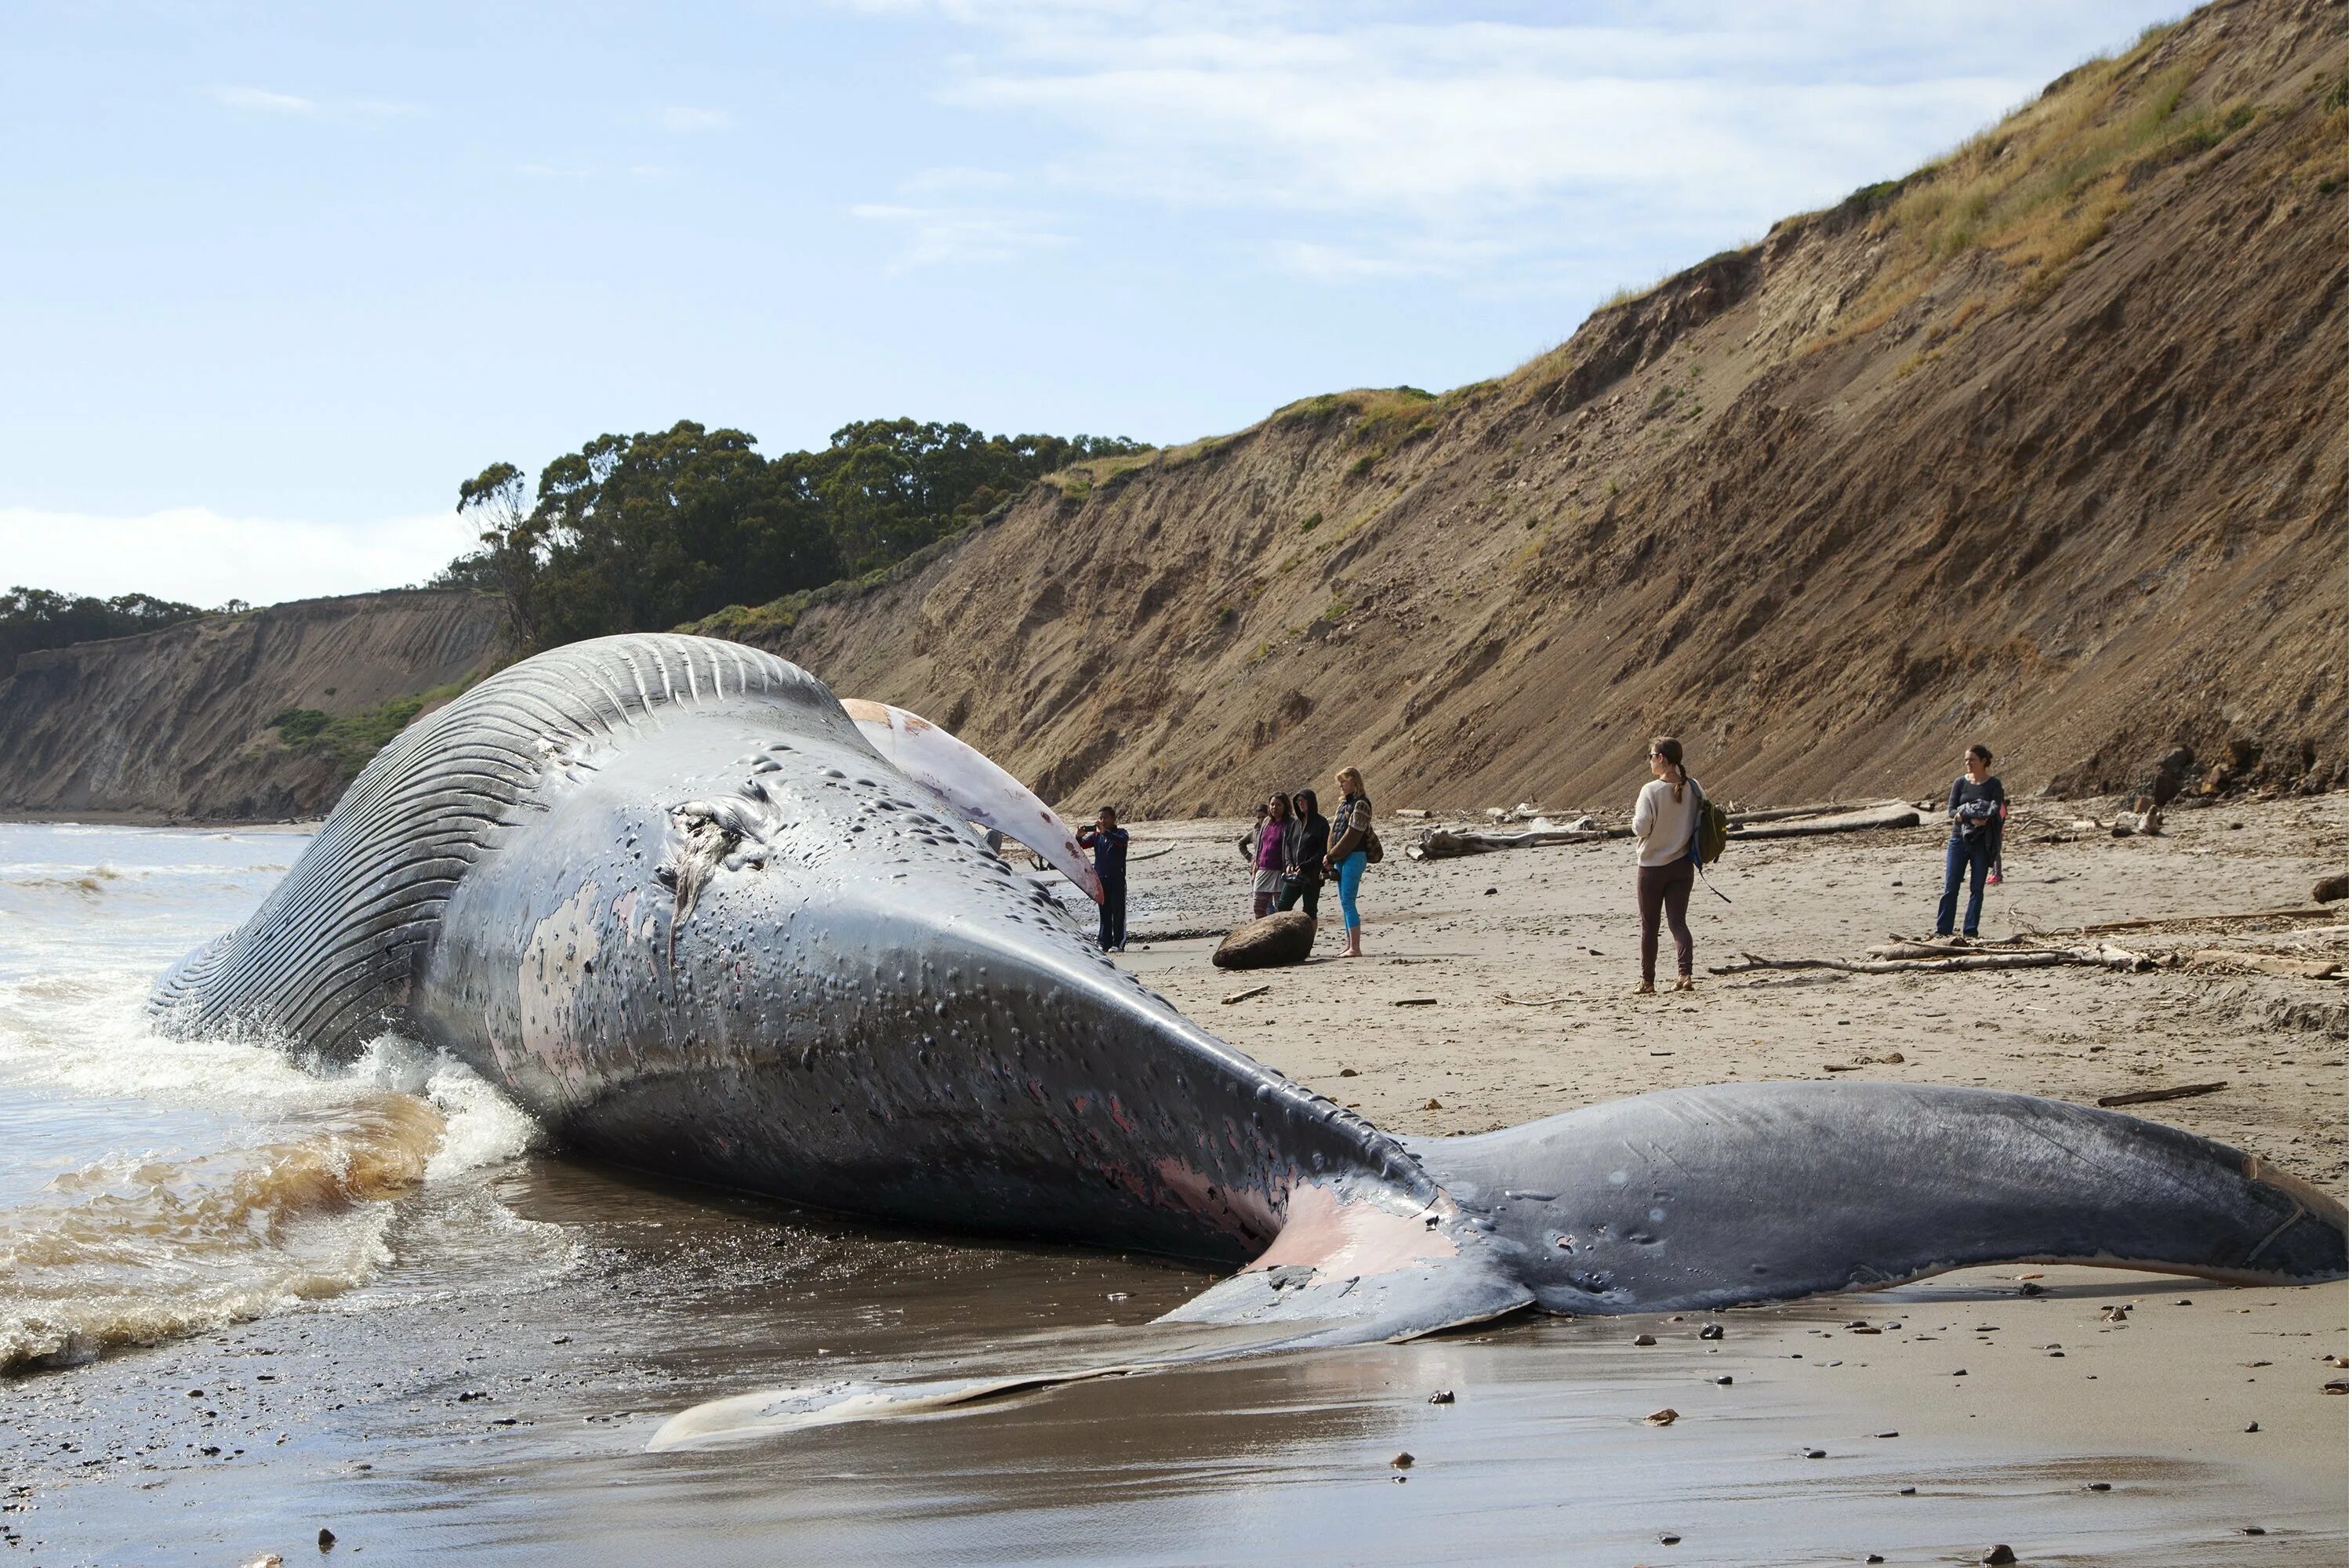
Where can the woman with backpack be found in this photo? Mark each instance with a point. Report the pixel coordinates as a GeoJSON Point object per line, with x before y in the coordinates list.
{"type": "Point", "coordinates": [1665, 820]}
{"type": "Point", "coordinates": [1354, 845]}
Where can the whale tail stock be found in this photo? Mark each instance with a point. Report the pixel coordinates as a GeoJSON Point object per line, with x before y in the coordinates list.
{"type": "Point", "coordinates": [1688, 1199]}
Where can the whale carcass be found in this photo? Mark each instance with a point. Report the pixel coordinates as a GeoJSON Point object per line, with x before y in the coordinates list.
{"type": "Point", "coordinates": [667, 893]}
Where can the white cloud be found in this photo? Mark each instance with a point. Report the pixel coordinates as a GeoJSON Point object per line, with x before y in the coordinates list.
{"type": "Point", "coordinates": [194, 554]}
{"type": "Point", "coordinates": [1470, 148]}
{"type": "Point", "coordinates": [684, 120]}
{"type": "Point", "coordinates": [261, 101]}
{"type": "Point", "coordinates": [952, 236]}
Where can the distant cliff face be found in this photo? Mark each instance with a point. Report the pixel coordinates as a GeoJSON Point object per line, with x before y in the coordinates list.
{"type": "Point", "coordinates": [2042, 447]}
{"type": "Point", "coordinates": [177, 723]}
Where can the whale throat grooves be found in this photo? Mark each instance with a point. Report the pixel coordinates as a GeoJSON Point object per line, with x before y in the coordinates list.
{"type": "Point", "coordinates": [332, 955]}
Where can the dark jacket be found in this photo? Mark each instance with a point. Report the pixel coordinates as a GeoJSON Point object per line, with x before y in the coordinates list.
{"type": "Point", "coordinates": [1303, 842]}
{"type": "Point", "coordinates": [1976, 811]}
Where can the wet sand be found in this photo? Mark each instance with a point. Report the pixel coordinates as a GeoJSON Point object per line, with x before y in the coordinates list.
{"type": "Point", "coordinates": [492, 1403]}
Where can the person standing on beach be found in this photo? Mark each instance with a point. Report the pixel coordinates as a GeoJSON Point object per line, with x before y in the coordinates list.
{"type": "Point", "coordinates": [1978, 804]}
{"type": "Point", "coordinates": [1303, 848]}
{"type": "Point", "coordinates": [1664, 817]}
{"type": "Point", "coordinates": [1273, 827]}
{"type": "Point", "coordinates": [1107, 840]}
{"type": "Point", "coordinates": [1351, 834]}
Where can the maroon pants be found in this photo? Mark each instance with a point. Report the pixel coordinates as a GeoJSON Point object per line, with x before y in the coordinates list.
{"type": "Point", "coordinates": [1667, 888]}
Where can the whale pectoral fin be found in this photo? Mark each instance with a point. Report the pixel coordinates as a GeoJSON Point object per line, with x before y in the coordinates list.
{"type": "Point", "coordinates": [1355, 1266]}
{"type": "Point", "coordinates": [1735, 1192]}
{"type": "Point", "coordinates": [974, 785]}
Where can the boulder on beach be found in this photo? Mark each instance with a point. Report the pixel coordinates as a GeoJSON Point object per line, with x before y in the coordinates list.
{"type": "Point", "coordinates": [1284, 938]}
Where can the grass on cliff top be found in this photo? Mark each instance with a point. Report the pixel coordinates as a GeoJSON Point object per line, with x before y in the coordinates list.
{"type": "Point", "coordinates": [2041, 187]}
{"type": "Point", "coordinates": [354, 738]}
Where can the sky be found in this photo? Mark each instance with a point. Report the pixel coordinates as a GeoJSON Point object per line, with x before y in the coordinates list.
{"type": "Point", "coordinates": [274, 279]}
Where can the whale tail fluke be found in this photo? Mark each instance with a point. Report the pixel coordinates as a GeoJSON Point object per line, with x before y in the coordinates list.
{"type": "Point", "coordinates": [1737, 1193]}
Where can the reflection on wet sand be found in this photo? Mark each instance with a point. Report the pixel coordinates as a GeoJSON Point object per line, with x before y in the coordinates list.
{"type": "Point", "coordinates": [501, 1417]}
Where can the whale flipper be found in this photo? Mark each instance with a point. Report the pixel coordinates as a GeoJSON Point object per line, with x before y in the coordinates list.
{"type": "Point", "coordinates": [969, 781]}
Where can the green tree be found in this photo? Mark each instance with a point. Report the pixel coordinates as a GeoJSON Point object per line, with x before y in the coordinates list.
{"type": "Point", "coordinates": [640, 533]}
{"type": "Point", "coordinates": [34, 618]}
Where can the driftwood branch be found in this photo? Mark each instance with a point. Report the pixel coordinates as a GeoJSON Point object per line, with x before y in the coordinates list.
{"type": "Point", "coordinates": [2269, 963]}
{"type": "Point", "coordinates": [1446, 843]}
{"type": "Point", "coordinates": [2101, 957]}
{"type": "Point", "coordinates": [1786, 813]}
{"type": "Point", "coordinates": [1245, 995]}
{"type": "Point", "coordinates": [1896, 814]}
{"type": "Point", "coordinates": [2149, 1096]}
{"type": "Point", "coordinates": [2298, 912]}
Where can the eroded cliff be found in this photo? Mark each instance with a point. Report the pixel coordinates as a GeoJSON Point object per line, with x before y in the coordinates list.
{"type": "Point", "coordinates": [2044, 445]}
{"type": "Point", "coordinates": [177, 723]}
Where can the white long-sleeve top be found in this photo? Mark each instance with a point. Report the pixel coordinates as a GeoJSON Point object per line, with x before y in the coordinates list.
{"type": "Point", "coordinates": [1663, 824]}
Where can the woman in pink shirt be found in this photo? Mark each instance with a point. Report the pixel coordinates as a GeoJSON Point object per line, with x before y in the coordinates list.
{"type": "Point", "coordinates": [1266, 884]}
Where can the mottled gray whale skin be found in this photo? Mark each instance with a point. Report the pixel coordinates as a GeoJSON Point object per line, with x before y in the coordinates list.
{"type": "Point", "coordinates": [663, 892]}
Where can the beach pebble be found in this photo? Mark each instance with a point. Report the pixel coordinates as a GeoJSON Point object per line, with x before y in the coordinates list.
{"type": "Point", "coordinates": [2252, 1530]}
{"type": "Point", "coordinates": [1723, 1383]}
{"type": "Point", "coordinates": [1817, 1453]}
{"type": "Point", "coordinates": [1711, 1331]}
{"type": "Point", "coordinates": [1999, 1554]}
{"type": "Point", "coordinates": [2333, 1385]}
{"type": "Point", "coordinates": [1670, 1540]}
{"type": "Point", "coordinates": [2253, 1425]}
{"type": "Point", "coordinates": [1873, 1557]}
{"type": "Point", "coordinates": [326, 1539]}
{"type": "Point", "coordinates": [1443, 1397]}
{"type": "Point", "coordinates": [1401, 1462]}
{"type": "Point", "coordinates": [1665, 1417]}
{"type": "Point", "coordinates": [2099, 1486]}
{"type": "Point", "coordinates": [1890, 1434]}
{"type": "Point", "coordinates": [1348, 1072]}
{"type": "Point", "coordinates": [1431, 1104]}
{"type": "Point", "coordinates": [1906, 1492]}
{"type": "Point", "coordinates": [1645, 1339]}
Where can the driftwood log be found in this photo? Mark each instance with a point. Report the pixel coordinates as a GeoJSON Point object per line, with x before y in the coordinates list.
{"type": "Point", "coordinates": [2101, 957]}
{"type": "Point", "coordinates": [1447, 843]}
{"type": "Point", "coordinates": [2286, 965]}
{"type": "Point", "coordinates": [2150, 1096]}
{"type": "Point", "coordinates": [1897, 814]}
{"type": "Point", "coordinates": [1787, 813]}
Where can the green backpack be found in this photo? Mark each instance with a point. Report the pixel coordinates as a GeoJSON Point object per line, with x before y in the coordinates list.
{"type": "Point", "coordinates": [1710, 833]}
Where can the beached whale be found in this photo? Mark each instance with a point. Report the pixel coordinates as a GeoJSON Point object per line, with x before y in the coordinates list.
{"type": "Point", "coordinates": [667, 894]}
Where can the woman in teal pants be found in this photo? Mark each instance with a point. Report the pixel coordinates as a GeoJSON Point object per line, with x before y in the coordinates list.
{"type": "Point", "coordinates": [1351, 829]}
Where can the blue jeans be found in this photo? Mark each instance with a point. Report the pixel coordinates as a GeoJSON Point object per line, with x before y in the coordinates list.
{"type": "Point", "coordinates": [1351, 872]}
{"type": "Point", "coordinates": [1975, 857]}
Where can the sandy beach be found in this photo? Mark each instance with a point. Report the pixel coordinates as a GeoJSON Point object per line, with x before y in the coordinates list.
{"type": "Point", "coordinates": [489, 1394]}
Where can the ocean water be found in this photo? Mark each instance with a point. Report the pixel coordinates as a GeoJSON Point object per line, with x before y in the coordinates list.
{"type": "Point", "coordinates": [153, 1187]}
